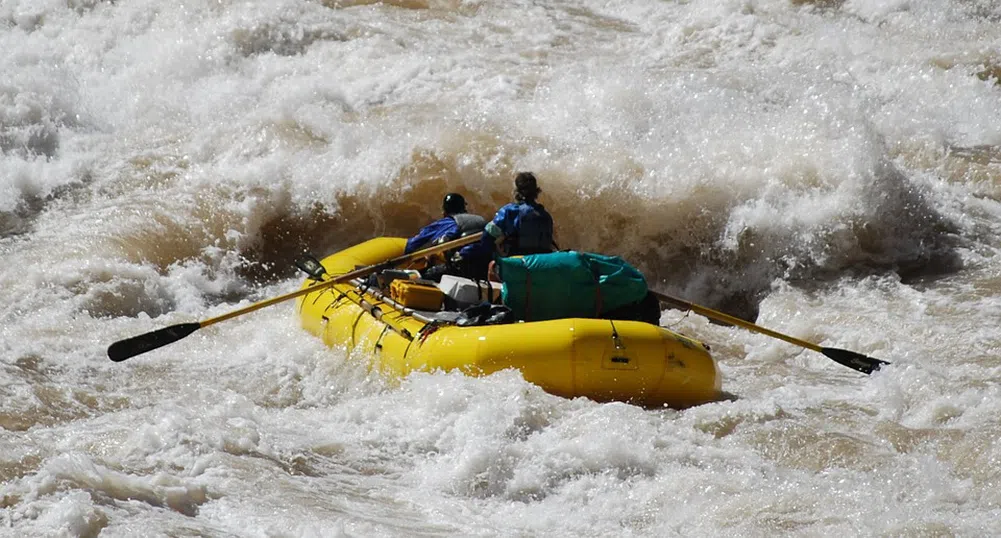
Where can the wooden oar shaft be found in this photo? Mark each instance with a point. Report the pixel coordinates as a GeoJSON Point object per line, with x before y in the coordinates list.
{"type": "Point", "coordinates": [720, 316]}
{"type": "Point", "coordinates": [851, 359]}
{"type": "Point", "coordinates": [130, 347]}
{"type": "Point", "coordinates": [351, 275]}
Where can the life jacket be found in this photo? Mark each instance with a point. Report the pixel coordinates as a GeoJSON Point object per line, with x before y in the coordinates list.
{"type": "Point", "coordinates": [469, 223]}
{"type": "Point", "coordinates": [467, 260]}
{"type": "Point", "coordinates": [535, 231]}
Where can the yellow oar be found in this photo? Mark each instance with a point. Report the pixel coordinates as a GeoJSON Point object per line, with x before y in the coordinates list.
{"type": "Point", "coordinates": [130, 347]}
{"type": "Point", "coordinates": [851, 359]}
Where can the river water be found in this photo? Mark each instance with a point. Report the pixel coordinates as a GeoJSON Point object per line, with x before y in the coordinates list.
{"type": "Point", "coordinates": [828, 168]}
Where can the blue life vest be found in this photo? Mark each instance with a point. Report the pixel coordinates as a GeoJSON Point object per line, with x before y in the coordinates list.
{"type": "Point", "coordinates": [474, 253]}
{"type": "Point", "coordinates": [534, 231]}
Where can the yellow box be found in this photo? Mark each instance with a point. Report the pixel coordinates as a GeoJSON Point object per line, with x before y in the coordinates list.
{"type": "Point", "coordinates": [417, 296]}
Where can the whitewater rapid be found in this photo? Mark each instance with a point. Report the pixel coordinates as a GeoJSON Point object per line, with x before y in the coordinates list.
{"type": "Point", "coordinates": [830, 169]}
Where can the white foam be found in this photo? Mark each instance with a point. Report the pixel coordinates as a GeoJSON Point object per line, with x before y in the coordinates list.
{"type": "Point", "coordinates": [153, 153]}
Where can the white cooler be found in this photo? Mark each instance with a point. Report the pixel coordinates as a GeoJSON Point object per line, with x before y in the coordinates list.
{"type": "Point", "coordinates": [469, 292]}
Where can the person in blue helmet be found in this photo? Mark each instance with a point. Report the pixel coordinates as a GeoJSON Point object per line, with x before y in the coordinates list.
{"type": "Point", "coordinates": [524, 226]}
{"type": "Point", "coordinates": [469, 261]}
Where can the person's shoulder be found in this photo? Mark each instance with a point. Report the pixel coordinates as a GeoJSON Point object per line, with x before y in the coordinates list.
{"type": "Point", "coordinates": [507, 208]}
{"type": "Point", "coordinates": [468, 216]}
{"type": "Point", "coordinates": [541, 209]}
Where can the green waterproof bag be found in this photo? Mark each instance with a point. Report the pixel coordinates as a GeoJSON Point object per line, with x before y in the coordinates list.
{"type": "Point", "coordinates": [568, 285]}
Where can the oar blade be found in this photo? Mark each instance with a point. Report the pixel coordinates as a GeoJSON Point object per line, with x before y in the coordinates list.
{"type": "Point", "coordinates": [130, 347]}
{"type": "Point", "coordinates": [853, 360]}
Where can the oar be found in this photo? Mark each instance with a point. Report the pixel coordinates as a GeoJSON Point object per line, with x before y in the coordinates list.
{"type": "Point", "coordinates": [130, 347]}
{"type": "Point", "coordinates": [851, 359]}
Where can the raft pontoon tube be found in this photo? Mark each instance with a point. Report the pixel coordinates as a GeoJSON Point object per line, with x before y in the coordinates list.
{"type": "Point", "coordinates": [604, 360]}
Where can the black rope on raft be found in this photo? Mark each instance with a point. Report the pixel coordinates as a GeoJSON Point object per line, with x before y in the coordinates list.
{"type": "Point", "coordinates": [678, 322]}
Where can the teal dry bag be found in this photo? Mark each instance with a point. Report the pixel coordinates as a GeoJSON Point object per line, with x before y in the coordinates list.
{"type": "Point", "coordinates": [570, 284]}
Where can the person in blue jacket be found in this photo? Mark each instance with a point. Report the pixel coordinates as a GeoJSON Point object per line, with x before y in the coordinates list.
{"type": "Point", "coordinates": [524, 226]}
{"type": "Point", "coordinates": [454, 223]}
{"type": "Point", "coordinates": [471, 260]}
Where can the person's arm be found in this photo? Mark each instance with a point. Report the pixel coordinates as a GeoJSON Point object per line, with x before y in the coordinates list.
{"type": "Point", "coordinates": [501, 227]}
{"type": "Point", "coordinates": [416, 242]}
{"type": "Point", "coordinates": [496, 233]}
{"type": "Point", "coordinates": [556, 246]}
{"type": "Point", "coordinates": [445, 227]}
{"type": "Point", "coordinates": [449, 231]}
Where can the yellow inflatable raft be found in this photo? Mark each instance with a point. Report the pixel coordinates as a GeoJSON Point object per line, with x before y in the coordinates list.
{"type": "Point", "coordinates": [604, 360]}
